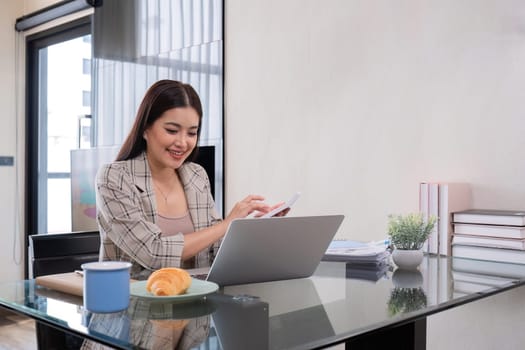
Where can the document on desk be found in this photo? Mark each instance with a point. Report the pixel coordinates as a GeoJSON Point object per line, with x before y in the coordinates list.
{"type": "Point", "coordinates": [354, 251]}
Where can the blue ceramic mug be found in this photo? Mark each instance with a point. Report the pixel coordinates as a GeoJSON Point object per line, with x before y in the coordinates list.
{"type": "Point", "coordinates": [106, 286]}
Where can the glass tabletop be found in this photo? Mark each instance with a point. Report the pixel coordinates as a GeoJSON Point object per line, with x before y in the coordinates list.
{"type": "Point", "coordinates": [338, 302]}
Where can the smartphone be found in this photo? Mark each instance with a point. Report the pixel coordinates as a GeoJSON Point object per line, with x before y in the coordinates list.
{"type": "Point", "coordinates": [286, 205]}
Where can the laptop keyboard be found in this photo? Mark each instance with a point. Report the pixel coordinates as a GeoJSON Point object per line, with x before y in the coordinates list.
{"type": "Point", "coordinates": [200, 273]}
{"type": "Point", "coordinates": [201, 276]}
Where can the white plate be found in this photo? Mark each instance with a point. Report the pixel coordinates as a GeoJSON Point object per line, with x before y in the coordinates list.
{"type": "Point", "coordinates": [198, 289]}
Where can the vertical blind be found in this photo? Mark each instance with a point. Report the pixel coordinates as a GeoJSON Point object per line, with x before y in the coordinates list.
{"type": "Point", "coordinates": [137, 42]}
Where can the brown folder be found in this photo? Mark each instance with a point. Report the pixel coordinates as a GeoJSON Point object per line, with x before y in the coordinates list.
{"type": "Point", "coordinates": [69, 282]}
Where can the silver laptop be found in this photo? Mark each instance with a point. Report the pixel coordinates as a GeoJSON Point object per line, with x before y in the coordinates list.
{"type": "Point", "coordinates": [271, 249]}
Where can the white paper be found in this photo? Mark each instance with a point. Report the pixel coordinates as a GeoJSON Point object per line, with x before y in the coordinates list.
{"type": "Point", "coordinates": [286, 205]}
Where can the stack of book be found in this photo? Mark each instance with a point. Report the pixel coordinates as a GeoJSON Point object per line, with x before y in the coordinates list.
{"type": "Point", "coordinates": [364, 260]}
{"type": "Point", "coordinates": [440, 200]}
{"type": "Point", "coordinates": [474, 276]}
{"type": "Point", "coordinates": [496, 235]}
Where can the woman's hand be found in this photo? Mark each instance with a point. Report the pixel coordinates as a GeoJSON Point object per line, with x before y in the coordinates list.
{"type": "Point", "coordinates": [250, 204]}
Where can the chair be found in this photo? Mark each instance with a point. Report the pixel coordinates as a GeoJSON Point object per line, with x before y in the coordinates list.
{"type": "Point", "coordinates": [59, 253]}
{"type": "Point", "coordinates": [206, 158]}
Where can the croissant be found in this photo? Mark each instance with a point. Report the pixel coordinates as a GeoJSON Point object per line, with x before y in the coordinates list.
{"type": "Point", "coordinates": [168, 281]}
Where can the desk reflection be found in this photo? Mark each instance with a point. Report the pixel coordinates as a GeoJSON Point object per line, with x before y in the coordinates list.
{"type": "Point", "coordinates": [240, 322]}
{"type": "Point", "coordinates": [296, 316]}
{"type": "Point", "coordinates": [151, 325]}
{"type": "Point", "coordinates": [408, 294]}
{"type": "Point", "coordinates": [235, 323]}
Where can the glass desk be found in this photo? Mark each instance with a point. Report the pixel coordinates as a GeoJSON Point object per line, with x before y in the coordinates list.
{"type": "Point", "coordinates": [338, 304]}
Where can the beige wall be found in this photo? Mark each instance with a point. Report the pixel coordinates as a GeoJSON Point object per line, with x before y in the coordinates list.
{"type": "Point", "coordinates": [11, 247]}
{"type": "Point", "coordinates": [355, 102]}
{"type": "Point", "coordinates": [35, 5]}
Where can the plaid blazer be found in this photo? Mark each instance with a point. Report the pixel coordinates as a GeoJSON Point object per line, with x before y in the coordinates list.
{"type": "Point", "coordinates": [127, 215]}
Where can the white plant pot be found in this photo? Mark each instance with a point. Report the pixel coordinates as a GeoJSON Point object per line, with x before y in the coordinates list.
{"type": "Point", "coordinates": [407, 259]}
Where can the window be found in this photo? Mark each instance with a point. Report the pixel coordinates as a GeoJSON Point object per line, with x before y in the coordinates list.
{"type": "Point", "coordinates": [86, 98]}
{"type": "Point", "coordinates": [86, 63]}
{"type": "Point", "coordinates": [178, 40]}
{"type": "Point", "coordinates": [59, 96]}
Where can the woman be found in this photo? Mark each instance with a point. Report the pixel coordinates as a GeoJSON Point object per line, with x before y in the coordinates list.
{"type": "Point", "coordinates": [154, 206]}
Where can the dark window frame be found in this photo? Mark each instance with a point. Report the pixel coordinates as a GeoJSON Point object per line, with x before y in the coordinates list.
{"type": "Point", "coordinates": [34, 80]}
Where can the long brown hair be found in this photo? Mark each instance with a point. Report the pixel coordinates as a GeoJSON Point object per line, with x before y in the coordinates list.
{"type": "Point", "coordinates": [160, 97]}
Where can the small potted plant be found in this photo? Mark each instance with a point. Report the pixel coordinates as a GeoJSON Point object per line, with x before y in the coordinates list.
{"type": "Point", "coordinates": [407, 235]}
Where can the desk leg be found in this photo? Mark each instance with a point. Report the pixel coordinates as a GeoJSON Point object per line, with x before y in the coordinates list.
{"type": "Point", "coordinates": [51, 338]}
{"type": "Point", "coordinates": [412, 335]}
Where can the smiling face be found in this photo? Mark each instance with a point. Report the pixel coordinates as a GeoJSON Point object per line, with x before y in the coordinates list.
{"type": "Point", "coordinates": [172, 137]}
